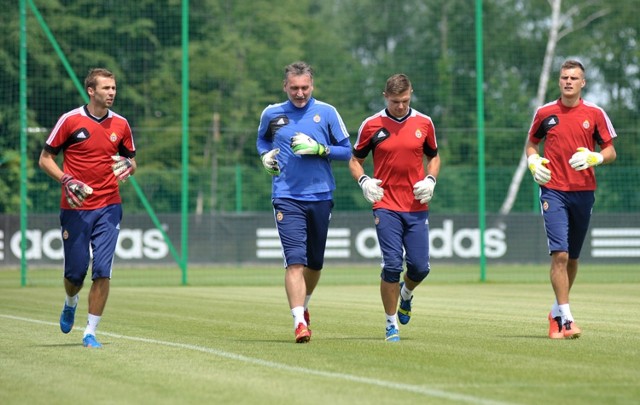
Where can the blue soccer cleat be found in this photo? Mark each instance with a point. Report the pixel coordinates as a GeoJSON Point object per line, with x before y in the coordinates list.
{"type": "Point", "coordinates": [90, 341]}
{"type": "Point", "coordinates": [67, 318]}
{"type": "Point", "coordinates": [404, 311]}
{"type": "Point", "coordinates": [392, 335]}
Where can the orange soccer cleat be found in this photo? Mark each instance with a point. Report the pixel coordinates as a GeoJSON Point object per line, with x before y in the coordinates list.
{"type": "Point", "coordinates": [570, 330]}
{"type": "Point", "coordinates": [555, 327]}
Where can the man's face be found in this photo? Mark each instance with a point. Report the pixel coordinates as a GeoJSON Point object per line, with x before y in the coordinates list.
{"type": "Point", "coordinates": [299, 89]}
{"type": "Point", "coordinates": [571, 82]}
{"type": "Point", "coordinates": [105, 92]}
{"type": "Point", "coordinates": [398, 104]}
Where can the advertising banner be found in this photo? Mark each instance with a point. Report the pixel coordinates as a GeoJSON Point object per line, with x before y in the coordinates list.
{"type": "Point", "coordinates": [252, 237]}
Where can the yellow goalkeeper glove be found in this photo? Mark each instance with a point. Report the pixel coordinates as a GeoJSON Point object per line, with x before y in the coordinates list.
{"type": "Point", "coordinates": [540, 173]}
{"type": "Point", "coordinates": [584, 159]}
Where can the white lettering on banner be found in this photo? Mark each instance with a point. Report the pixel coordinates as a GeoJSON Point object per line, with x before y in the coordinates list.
{"type": "Point", "coordinates": [154, 246]}
{"type": "Point", "coordinates": [34, 245]}
{"type": "Point", "coordinates": [615, 242]}
{"type": "Point", "coordinates": [132, 244]}
{"type": "Point", "coordinates": [367, 244]}
{"type": "Point", "coordinates": [268, 244]}
{"type": "Point", "coordinates": [465, 242]}
{"type": "Point", "coordinates": [443, 243]}
{"type": "Point", "coordinates": [52, 244]}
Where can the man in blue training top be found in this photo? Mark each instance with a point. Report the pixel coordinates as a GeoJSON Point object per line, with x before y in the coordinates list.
{"type": "Point", "coordinates": [297, 140]}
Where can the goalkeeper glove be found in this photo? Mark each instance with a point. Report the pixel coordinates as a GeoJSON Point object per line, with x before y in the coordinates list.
{"type": "Point", "coordinates": [122, 167]}
{"type": "Point", "coordinates": [423, 190]}
{"type": "Point", "coordinates": [75, 190]}
{"type": "Point", "coordinates": [303, 144]}
{"type": "Point", "coordinates": [371, 188]}
{"type": "Point", "coordinates": [540, 173]}
{"type": "Point", "coordinates": [270, 163]}
{"type": "Point", "coordinates": [584, 159]}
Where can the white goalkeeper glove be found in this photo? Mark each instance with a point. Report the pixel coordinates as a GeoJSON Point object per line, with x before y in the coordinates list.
{"type": "Point", "coordinates": [303, 144]}
{"type": "Point", "coordinates": [270, 163]}
{"type": "Point", "coordinates": [122, 168]}
{"type": "Point", "coordinates": [540, 173]}
{"type": "Point", "coordinates": [423, 190]}
{"type": "Point", "coordinates": [371, 188]}
{"type": "Point", "coordinates": [584, 159]}
{"type": "Point", "coordinates": [75, 191]}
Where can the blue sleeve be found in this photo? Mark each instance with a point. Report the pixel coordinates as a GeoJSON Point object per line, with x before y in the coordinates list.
{"type": "Point", "coordinates": [340, 148]}
{"type": "Point", "coordinates": [341, 151]}
{"type": "Point", "coordinates": [264, 143]}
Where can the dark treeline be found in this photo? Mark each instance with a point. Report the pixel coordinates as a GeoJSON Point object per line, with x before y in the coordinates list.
{"type": "Point", "coordinates": [237, 51]}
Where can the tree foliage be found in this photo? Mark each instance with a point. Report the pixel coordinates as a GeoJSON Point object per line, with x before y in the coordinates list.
{"type": "Point", "coordinates": [237, 51]}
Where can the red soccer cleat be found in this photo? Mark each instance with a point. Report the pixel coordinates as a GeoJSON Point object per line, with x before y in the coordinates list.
{"type": "Point", "coordinates": [307, 319]}
{"type": "Point", "coordinates": [302, 333]}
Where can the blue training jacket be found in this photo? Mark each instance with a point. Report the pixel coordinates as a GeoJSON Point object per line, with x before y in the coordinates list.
{"type": "Point", "coordinates": [304, 177]}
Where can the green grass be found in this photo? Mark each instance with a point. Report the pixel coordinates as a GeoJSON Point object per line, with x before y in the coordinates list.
{"type": "Point", "coordinates": [228, 338]}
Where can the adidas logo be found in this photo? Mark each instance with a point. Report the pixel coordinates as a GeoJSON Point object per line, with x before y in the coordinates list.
{"type": "Point", "coordinates": [280, 122]}
{"type": "Point", "coordinates": [380, 135]}
{"type": "Point", "coordinates": [82, 135]}
{"type": "Point", "coordinates": [552, 121]}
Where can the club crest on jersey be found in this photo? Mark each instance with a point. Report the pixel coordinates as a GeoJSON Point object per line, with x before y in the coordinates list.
{"type": "Point", "coordinates": [113, 137]}
{"type": "Point", "coordinates": [545, 205]}
{"type": "Point", "coordinates": [418, 134]}
{"type": "Point", "coordinates": [279, 216]}
{"type": "Point", "coordinates": [316, 118]}
{"type": "Point", "coordinates": [586, 124]}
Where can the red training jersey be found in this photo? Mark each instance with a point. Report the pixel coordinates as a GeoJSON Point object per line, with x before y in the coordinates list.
{"type": "Point", "coordinates": [88, 143]}
{"type": "Point", "coordinates": [565, 129]}
{"type": "Point", "coordinates": [398, 146]}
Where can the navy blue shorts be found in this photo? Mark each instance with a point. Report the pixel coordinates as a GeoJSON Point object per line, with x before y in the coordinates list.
{"type": "Point", "coordinates": [87, 233]}
{"type": "Point", "coordinates": [403, 236]}
{"type": "Point", "coordinates": [303, 228]}
{"type": "Point", "coordinates": [566, 219]}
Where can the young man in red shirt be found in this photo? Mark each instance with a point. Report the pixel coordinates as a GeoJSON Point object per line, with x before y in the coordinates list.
{"type": "Point", "coordinates": [571, 129]}
{"type": "Point", "coordinates": [399, 138]}
{"type": "Point", "coordinates": [98, 152]}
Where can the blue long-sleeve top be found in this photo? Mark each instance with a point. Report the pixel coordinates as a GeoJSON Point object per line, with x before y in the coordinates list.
{"type": "Point", "coordinates": [303, 177]}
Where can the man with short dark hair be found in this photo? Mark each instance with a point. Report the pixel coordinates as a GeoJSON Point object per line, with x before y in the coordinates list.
{"type": "Point", "coordinates": [98, 152]}
{"type": "Point", "coordinates": [571, 129]}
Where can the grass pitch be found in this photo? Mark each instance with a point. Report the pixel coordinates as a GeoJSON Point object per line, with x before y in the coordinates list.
{"type": "Point", "coordinates": [227, 337]}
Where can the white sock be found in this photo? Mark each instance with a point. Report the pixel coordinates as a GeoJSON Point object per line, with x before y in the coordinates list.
{"type": "Point", "coordinates": [71, 301]}
{"type": "Point", "coordinates": [406, 293]}
{"type": "Point", "coordinates": [566, 313]}
{"type": "Point", "coordinates": [391, 320]}
{"type": "Point", "coordinates": [92, 324]}
{"type": "Point", "coordinates": [306, 301]}
{"type": "Point", "coordinates": [555, 309]}
{"type": "Point", "coordinates": [298, 316]}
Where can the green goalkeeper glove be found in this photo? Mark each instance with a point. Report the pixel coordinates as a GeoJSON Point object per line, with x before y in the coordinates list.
{"type": "Point", "coordinates": [303, 144]}
{"type": "Point", "coordinates": [423, 190]}
{"type": "Point", "coordinates": [270, 163]}
{"type": "Point", "coordinates": [540, 173]}
{"type": "Point", "coordinates": [121, 168]}
{"type": "Point", "coordinates": [584, 159]}
{"type": "Point", "coordinates": [75, 191]}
